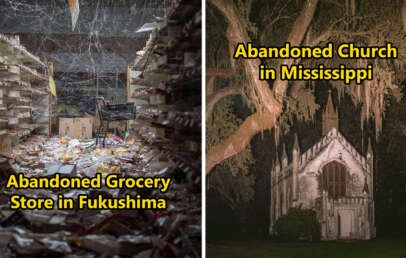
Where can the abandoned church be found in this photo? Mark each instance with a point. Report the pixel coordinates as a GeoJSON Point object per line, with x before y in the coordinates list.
{"type": "Point", "coordinates": [332, 178]}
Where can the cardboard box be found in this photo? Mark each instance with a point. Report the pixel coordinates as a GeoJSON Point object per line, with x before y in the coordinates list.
{"type": "Point", "coordinates": [118, 125]}
{"type": "Point", "coordinates": [63, 170]}
{"type": "Point", "coordinates": [76, 127]}
{"type": "Point", "coordinates": [84, 127]}
{"type": "Point", "coordinates": [66, 127]}
{"type": "Point", "coordinates": [5, 144]}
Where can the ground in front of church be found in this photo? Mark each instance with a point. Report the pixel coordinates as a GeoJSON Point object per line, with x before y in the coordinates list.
{"type": "Point", "coordinates": [375, 248]}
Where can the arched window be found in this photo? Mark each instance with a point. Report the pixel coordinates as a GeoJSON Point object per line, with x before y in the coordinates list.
{"type": "Point", "coordinates": [334, 177]}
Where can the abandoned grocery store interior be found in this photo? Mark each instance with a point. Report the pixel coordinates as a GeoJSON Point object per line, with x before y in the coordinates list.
{"type": "Point", "coordinates": [101, 86]}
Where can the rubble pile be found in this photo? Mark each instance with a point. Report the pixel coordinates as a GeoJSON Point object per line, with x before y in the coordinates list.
{"type": "Point", "coordinates": [161, 139]}
{"type": "Point", "coordinates": [174, 232]}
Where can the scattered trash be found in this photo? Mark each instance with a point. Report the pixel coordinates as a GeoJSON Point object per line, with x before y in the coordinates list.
{"type": "Point", "coordinates": [161, 139]}
{"type": "Point", "coordinates": [174, 232]}
{"type": "Point", "coordinates": [64, 170]}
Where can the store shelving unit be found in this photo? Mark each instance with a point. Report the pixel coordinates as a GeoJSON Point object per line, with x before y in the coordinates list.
{"type": "Point", "coordinates": [165, 85]}
{"type": "Point", "coordinates": [24, 92]}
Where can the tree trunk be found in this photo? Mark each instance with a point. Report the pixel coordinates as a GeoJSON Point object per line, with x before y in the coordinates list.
{"type": "Point", "coordinates": [239, 140]}
{"type": "Point", "coordinates": [264, 118]}
{"type": "Point", "coordinates": [295, 38]}
{"type": "Point", "coordinates": [237, 33]}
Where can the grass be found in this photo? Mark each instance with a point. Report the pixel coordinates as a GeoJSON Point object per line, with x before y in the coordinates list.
{"type": "Point", "coordinates": [376, 248]}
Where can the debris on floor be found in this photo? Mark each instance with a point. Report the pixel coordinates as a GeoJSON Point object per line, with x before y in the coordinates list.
{"type": "Point", "coordinates": [123, 93]}
{"type": "Point", "coordinates": [174, 232]}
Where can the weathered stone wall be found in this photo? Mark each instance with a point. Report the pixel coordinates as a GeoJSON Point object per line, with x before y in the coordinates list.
{"type": "Point", "coordinates": [350, 217]}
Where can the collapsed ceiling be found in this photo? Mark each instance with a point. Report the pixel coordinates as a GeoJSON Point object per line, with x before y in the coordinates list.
{"type": "Point", "coordinates": [104, 41]}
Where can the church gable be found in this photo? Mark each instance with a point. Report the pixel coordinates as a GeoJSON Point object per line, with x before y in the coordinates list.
{"type": "Point", "coordinates": [331, 148]}
{"type": "Point", "coordinates": [334, 147]}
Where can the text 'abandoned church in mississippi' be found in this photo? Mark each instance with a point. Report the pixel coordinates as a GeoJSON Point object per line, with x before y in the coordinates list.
{"type": "Point", "coordinates": [331, 178]}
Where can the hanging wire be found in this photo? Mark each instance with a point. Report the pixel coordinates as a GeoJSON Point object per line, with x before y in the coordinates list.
{"type": "Point", "coordinates": [93, 48]}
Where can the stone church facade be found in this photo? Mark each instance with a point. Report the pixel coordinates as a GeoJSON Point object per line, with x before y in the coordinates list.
{"type": "Point", "coordinates": [331, 178]}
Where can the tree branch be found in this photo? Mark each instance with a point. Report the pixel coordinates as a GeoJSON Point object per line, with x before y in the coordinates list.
{"type": "Point", "coordinates": [216, 97]}
{"type": "Point", "coordinates": [210, 85]}
{"type": "Point", "coordinates": [335, 2]}
{"type": "Point", "coordinates": [270, 20]}
{"type": "Point", "coordinates": [239, 140]}
{"type": "Point", "coordinates": [383, 26]}
{"type": "Point", "coordinates": [266, 118]}
{"type": "Point", "coordinates": [237, 33]}
{"type": "Point", "coordinates": [295, 88]}
{"type": "Point", "coordinates": [295, 38]}
{"type": "Point", "coordinates": [322, 37]}
{"type": "Point", "coordinates": [217, 72]}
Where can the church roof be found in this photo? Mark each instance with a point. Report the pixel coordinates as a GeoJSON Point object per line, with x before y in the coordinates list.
{"type": "Point", "coordinates": [330, 110]}
{"type": "Point", "coordinates": [331, 135]}
{"type": "Point", "coordinates": [318, 148]}
{"type": "Point", "coordinates": [330, 115]}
